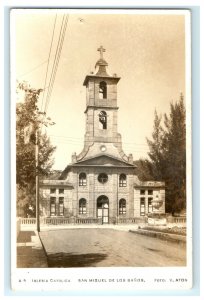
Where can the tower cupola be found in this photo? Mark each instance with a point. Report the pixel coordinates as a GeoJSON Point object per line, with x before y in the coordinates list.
{"type": "Point", "coordinates": [101, 64]}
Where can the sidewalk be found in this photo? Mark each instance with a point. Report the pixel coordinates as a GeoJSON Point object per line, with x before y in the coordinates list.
{"type": "Point", "coordinates": [177, 238]}
{"type": "Point", "coordinates": [125, 227]}
{"type": "Point", "coordinates": [30, 253]}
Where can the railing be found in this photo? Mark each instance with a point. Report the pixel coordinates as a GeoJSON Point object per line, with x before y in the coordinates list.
{"type": "Point", "coordinates": [131, 220]}
{"type": "Point", "coordinates": [65, 221]}
{"type": "Point", "coordinates": [55, 221]}
{"type": "Point", "coordinates": [179, 219]}
{"type": "Point", "coordinates": [28, 221]}
{"type": "Point", "coordinates": [59, 221]}
{"type": "Point", "coordinates": [172, 219]}
{"type": "Point", "coordinates": [78, 221]}
{"type": "Point", "coordinates": [87, 221]}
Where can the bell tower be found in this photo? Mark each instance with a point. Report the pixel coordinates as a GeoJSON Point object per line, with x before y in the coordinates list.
{"type": "Point", "coordinates": [101, 133]}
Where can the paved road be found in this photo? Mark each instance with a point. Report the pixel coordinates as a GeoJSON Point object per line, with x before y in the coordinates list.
{"type": "Point", "coordinates": [109, 248]}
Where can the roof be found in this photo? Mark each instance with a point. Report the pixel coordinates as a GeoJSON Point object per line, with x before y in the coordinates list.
{"type": "Point", "coordinates": [59, 183]}
{"type": "Point", "coordinates": [102, 76]}
{"type": "Point", "coordinates": [103, 160]}
{"type": "Point", "coordinates": [149, 184]}
{"type": "Point", "coordinates": [101, 72]}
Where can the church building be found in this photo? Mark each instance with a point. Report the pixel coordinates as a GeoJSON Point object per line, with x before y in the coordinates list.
{"type": "Point", "coordinates": [101, 181]}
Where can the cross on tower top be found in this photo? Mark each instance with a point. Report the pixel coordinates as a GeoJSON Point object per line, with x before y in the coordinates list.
{"type": "Point", "coordinates": [101, 50]}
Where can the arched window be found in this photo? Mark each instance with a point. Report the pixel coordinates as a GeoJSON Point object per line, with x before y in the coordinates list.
{"type": "Point", "coordinates": [102, 90]}
{"type": "Point", "coordinates": [103, 120]}
{"type": "Point", "coordinates": [82, 206]}
{"type": "Point", "coordinates": [82, 179]}
{"type": "Point", "coordinates": [122, 207]}
{"type": "Point", "coordinates": [123, 180]}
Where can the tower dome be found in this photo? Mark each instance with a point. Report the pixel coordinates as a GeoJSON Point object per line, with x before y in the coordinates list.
{"type": "Point", "coordinates": [101, 64]}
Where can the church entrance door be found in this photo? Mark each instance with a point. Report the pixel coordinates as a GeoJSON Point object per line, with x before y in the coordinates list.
{"type": "Point", "coordinates": [103, 209]}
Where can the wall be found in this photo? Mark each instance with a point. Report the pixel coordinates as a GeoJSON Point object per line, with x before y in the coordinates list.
{"type": "Point", "coordinates": [156, 191]}
{"type": "Point", "coordinates": [111, 189]}
{"type": "Point", "coordinates": [92, 93]}
{"type": "Point", "coordinates": [94, 189]}
{"type": "Point", "coordinates": [45, 200]}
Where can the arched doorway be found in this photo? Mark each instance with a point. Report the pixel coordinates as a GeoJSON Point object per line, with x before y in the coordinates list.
{"type": "Point", "coordinates": [103, 209]}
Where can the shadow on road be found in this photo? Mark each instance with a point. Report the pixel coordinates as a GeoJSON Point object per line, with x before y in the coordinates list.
{"type": "Point", "coordinates": [30, 257]}
{"type": "Point", "coordinates": [65, 260]}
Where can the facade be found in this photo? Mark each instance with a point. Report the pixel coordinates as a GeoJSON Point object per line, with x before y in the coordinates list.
{"type": "Point", "coordinates": [101, 181]}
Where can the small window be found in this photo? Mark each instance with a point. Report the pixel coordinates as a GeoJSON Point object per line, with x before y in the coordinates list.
{"type": "Point", "coordinates": [102, 90]}
{"type": "Point", "coordinates": [102, 178]}
{"type": "Point", "coordinates": [52, 206]}
{"type": "Point", "coordinates": [150, 205]}
{"type": "Point", "coordinates": [52, 191]}
{"type": "Point", "coordinates": [61, 191]}
{"type": "Point", "coordinates": [82, 179]}
{"type": "Point", "coordinates": [61, 206]}
{"type": "Point", "coordinates": [122, 207]}
{"type": "Point", "coordinates": [142, 192]}
{"type": "Point", "coordinates": [142, 206]}
{"type": "Point", "coordinates": [122, 180]}
{"type": "Point", "coordinates": [82, 206]}
{"type": "Point", "coordinates": [103, 120]}
{"type": "Point", "coordinates": [150, 192]}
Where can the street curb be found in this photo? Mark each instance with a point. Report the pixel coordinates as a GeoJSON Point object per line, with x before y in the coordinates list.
{"type": "Point", "coordinates": [43, 247]}
{"type": "Point", "coordinates": [161, 235]}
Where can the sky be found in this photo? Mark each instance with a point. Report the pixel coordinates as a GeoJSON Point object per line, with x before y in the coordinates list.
{"type": "Point", "coordinates": [146, 50]}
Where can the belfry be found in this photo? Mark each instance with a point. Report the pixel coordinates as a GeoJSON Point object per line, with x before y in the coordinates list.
{"type": "Point", "coordinates": [101, 135]}
{"type": "Point", "coordinates": [100, 183]}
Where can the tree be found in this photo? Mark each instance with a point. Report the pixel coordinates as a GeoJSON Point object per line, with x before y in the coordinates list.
{"type": "Point", "coordinates": [175, 156]}
{"type": "Point", "coordinates": [29, 120]}
{"type": "Point", "coordinates": [157, 149]}
{"type": "Point", "coordinates": [167, 156]}
{"type": "Point", "coordinates": [144, 170]}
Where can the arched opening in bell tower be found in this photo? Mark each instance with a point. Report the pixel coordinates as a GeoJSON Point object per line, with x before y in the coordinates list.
{"type": "Point", "coordinates": [102, 90]}
{"type": "Point", "coordinates": [103, 120]}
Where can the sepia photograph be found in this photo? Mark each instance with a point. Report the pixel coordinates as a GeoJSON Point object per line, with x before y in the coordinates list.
{"type": "Point", "coordinates": [101, 145]}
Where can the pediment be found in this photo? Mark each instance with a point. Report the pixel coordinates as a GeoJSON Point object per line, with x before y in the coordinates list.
{"type": "Point", "coordinates": [103, 160]}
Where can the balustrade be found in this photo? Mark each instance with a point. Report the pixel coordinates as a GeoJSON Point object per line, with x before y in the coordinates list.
{"type": "Point", "coordinates": [78, 221]}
